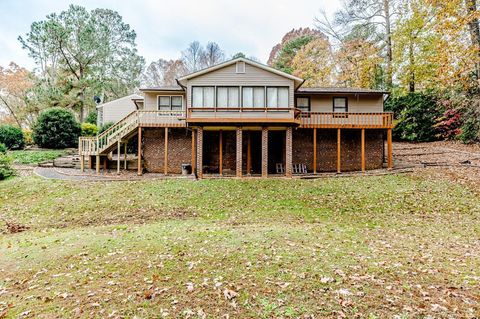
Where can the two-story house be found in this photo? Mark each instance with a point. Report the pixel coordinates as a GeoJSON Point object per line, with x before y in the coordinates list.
{"type": "Point", "coordinates": [244, 118]}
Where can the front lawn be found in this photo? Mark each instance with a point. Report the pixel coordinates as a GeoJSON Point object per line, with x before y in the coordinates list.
{"type": "Point", "coordinates": [35, 156]}
{"type": "Point", "coordinates": [374, 247]}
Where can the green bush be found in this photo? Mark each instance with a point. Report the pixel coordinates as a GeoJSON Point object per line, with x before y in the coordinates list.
{"type": "Point", "coordinates": [3, 149]}
{"type": "Point", "coordinates": [89, 129]}
{"type": "Point", "coordinates": [6, 169]}
{"type": "Point", "coordinates": [105, 127]}
{"type": "Point", "coordinates": [56, 128]}
{"type": "Point", "coordinates": [92, 117]}
{"type": "Point", "coordinates": [418, 114]}
{"type": "Point", "coordinates": [27, 136]}
{"type": "Point", "coordinates": [12, 137]}
{"type": "Point", "coordinates": [470, 130]}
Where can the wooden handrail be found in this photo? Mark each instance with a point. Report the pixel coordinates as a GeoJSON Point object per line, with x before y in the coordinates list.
{"type": "Point", "coordinates": [347, 119]}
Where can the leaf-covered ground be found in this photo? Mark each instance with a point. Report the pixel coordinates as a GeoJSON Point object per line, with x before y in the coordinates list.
{"type": "Point", "coordinates": [368, 247]}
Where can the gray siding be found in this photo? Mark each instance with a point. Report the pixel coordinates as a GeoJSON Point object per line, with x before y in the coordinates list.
{"type": "Point", "coordinates": [116, 110]}
{"type": "Point", "coordinates": [151, 99]}
{"type": "Point", "coordinates": [253, 76]}
{"type": "Point", "coordinates": [357, 103]}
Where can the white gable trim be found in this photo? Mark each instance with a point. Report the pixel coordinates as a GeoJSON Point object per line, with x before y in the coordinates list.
{"type": "Point", "coordinates": [298, 81]}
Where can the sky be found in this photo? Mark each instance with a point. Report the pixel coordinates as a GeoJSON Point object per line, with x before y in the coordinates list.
{"type": "Point", "coordinates": [165, 27]}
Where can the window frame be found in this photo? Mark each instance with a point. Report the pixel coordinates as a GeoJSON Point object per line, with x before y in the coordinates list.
{"type": "Point", "coordinates": [309, 107]}
{"type": "Point", "coordinates": [239, 100]}
{"type": "Point", "coordinates": [203, 87]}
{"type": "Point", "coordinates": [338, 98]}
{"type": "Point", "coordinates": [170, 102]}
{"type": "Point", "coordinates": [278, 96]}
{"type": "Point", "coordinates": [253, 107]}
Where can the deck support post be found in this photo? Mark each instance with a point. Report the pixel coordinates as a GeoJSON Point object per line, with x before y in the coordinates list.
{"type": "Point", "coordinates": [97, 164]}
{"type": "Point", "coordinates": [125, 155]}
{"type": "Point", "coordinates": [165, 153]}
{"type": "Point", "coordinates": [264, 152]}
{"type": "Point", "coordinates": [288, 150]}
{"type": "Point", "coordinates": [90, 162]}
{"type": "Point", "coordinates": [239, 151]}
{"type": "Point", "coordinates": [314, 151]}
{"type": "Point", "coordinates": [362, 142]}
{"type": "Point", "coordinates": [139, 157]}
{"type": "Point", "coordinates": [200, 152]}
{"type": "Point", "coordinates": [105, 163]}
{"type": "Point", "coordinates": [249, 153]}
{"type": "Point", "coordinates": [119, 147]}
{"type": "Point", "coordinates": [220, 151]}
{"type": "Point", "coordinates": [194, 168]}
{"type": "Point", "coordinates": [390, 149]}
{"type": "Point", "coordinates": [339, 157]}
{"type": "Point", "coordinates": [82, 163]}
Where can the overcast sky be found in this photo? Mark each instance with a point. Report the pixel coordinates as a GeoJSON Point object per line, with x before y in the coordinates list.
{"type": "Point", "coordinates": [165, 27]}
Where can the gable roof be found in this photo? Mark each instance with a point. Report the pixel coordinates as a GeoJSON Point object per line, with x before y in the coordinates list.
{"type": "Point", "coordinates": [125, 99]}
{"type": "Point", "coordinates": [163, 88]}
{"type": "Point", "coordinates": [298, 81]}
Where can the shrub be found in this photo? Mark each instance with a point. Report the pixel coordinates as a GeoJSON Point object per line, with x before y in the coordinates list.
{"type": "Point", "coordinates": [12, 137]}
{"type": "Point", "coordinates": [92, 117]}
{"type": "Point", "coordinates": [56, 128]}
{"type": "Point", "coordinates": [418, 115]}
{"type": "Point", "coordinates": [3, 149]}
{"type": "Point", "coordinates": [470, 130]}
{"type": "Point", "coordinates": [448, 125]}
{"type": "Point", "coordinates": [89, 129]}
{"type": "Point", "coordinates": [27, 136]}
{"type": "Point", "coordinates": [105, 127]}
{"type": "Point", "coordinates": [6, 169]}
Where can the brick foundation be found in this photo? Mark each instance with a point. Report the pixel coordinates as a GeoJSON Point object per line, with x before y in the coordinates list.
{"type": "Point", "coordinates": [179, 149]}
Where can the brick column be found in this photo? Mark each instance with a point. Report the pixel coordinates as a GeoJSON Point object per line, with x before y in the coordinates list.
{"type": "Point", "coordinates": [200, 152]}
{"type": "Point", "coordinates": [264, 152]}
{"type": "Point", "coordinates": [239, 151]}
{"type": "Point", "coordinates": [288, 150]}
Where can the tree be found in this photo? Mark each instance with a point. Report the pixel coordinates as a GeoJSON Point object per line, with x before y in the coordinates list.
{"type": "Point", "coordinates": [375, 14]}
{"type": "Point", "coordinates": [238, 55]}
{"type": "Point", "coordinates": [213, 54]}
{"type": "Point", "coordinates": [85, 53]}
{"type": "Point", "coordinates": [194, 56]}
{"type": "Point", "coordinates": [15, 83]}
{"type": "Point", "coordinates": [163, 73]}
{"type": "Point", "coordinates": [314, 63]}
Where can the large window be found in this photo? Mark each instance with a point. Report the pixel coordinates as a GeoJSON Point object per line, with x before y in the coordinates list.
{"type": "Point", "coordinates": [340, 104]}
{"type": "Point", "coordinates": [303, 103]}
{"type": "Point", "coordinates": [203, 96]}
{"type": "Point", "coordinates": [170, 103]}
{"type": "Point", "coordinates": [228, 97]}
{"type": "Point", "coordinates": [277, 97]}
{"type": "Point", "coordinates": [253, 96]}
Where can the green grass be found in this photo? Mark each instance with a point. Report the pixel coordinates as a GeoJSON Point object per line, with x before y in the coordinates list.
{"type": "Point", "coordinates": [373, 247]}
{"type": "Point", "coordinates": [35, 157]}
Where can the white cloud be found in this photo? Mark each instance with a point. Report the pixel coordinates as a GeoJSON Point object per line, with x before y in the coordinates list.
{"type": "Point", "coordinates": [164, 28]}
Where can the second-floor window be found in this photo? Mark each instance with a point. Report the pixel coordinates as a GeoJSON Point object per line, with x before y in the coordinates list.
{"type": "Point", "coordinates": [170, 103]}
{"type": "Point", "coordinates": [340, 104]}
{"type": "Point", "coordinates": [303, 103]}
{"type": "Point", "coordinates": [228, 96]}
{"type": "Point", "coordinates": [253, 96]}
{"type": "Point", "coordinates": [277, 97]}
{"type": "Point", "coordinates": [203, 96]}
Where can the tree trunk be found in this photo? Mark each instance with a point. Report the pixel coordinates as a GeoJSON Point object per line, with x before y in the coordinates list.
{"type": "Point", "coordinates": [411, 58]}
{"type": "Point", "coordinates": [474, 33]}
{"type": "Point", "coordinates": [11, 111]}
{"type": "Point", "coordinates": [388, 41]}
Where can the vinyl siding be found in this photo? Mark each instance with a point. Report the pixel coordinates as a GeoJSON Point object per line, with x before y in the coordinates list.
{"type": "Point", "coordinates": [151, 99]}
{"type": "Point", "coordinates": [116, 110]}
{"type": "Point", "coordinates": [357, 103]}
{"type": "Point", "coordinates": [253, 76]}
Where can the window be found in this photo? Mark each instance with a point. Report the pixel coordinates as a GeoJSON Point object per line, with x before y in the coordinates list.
{"type": "Point", "coordinates": [228, 96]}
{"type": "Point", "coordinates": [303, 103]}
{"type": "Point", "coordinates": [277, 97]}
{"type": "Point", "coordinates": [203, 96]}
{"type": "Point", "coordinates": [340, 104]}
{"type": "Point", "coordinates": [240, 67]}
{"type": "Point", "coordinates": [253, 96]}
{"type": "Point", "coordinates": [168, 103]}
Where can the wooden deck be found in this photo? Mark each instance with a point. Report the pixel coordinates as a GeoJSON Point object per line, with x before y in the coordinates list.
{"type": "Point", "coordinates": [332, 120]}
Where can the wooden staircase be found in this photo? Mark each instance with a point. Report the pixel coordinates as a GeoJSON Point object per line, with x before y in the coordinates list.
{"type": "Point", "coordinates": [108, 140]}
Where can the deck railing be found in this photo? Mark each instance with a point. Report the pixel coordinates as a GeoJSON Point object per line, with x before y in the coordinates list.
{"type": "Point", "coordinates": [104, 140]}
{"type": "Point", "coordinates": [232, 114]}
{"type": "Point", "coordinates": [346, 120]}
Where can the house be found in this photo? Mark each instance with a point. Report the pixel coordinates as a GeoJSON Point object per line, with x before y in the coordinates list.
{"type": "Point", "coordinates": [114, 111]}
{"type": "Point", "coordinates": [244, 118]}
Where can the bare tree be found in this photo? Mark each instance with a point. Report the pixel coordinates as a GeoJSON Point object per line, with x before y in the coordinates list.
{"type": "Point", "coordinates": [193, 56]}
{"type": "Point", "coordinates": [163, 73]}
{"type": "Point", "coordinates": [213, 54]}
